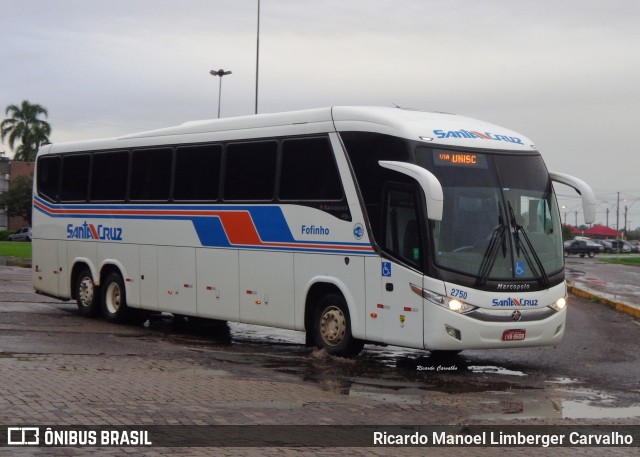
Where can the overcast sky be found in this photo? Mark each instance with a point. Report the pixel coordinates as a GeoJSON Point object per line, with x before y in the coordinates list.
{"type": "Point", "coordinates": [565, 73]}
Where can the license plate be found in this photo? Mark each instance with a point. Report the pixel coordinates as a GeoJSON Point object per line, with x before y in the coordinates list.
{"type": "Point", "coordinates": [513, 335]}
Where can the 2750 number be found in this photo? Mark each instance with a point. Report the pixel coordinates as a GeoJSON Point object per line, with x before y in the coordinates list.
{"type": "Point", "coordinates": [458, 293]}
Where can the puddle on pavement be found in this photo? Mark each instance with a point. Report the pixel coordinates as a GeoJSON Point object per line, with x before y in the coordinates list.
{"type": "Point", "coordinates": [401, 376]}
{"type": "Point", "coordinates": [555, 404]}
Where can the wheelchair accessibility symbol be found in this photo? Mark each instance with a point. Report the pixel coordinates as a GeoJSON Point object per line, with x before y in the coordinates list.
{"type": "Point", "coordinates": [520, 269]}
{"type": "Point", "coordinates": [386, 269]}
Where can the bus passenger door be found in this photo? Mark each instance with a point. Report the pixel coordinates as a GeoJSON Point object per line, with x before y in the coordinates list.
{"type": "Point", "coordinates": [402, 309]}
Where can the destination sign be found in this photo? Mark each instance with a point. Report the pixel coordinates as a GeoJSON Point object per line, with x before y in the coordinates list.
{"type": "Point", "coordinates": [459, 159]}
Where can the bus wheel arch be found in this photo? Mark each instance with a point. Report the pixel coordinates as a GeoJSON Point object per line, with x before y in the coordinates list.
{"type": "Point", "coordinates": [328, 321]}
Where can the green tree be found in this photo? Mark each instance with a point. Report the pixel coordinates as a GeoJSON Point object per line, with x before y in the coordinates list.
{"type": "Point", "coordinates": [17, 200]}
{"type": "Point", "coordinates": [567, 232]}
{"type": "Point", "coordinates": [24, 126]}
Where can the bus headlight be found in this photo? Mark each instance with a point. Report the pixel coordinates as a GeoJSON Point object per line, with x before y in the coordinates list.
{"type": "Point", "coordinates": [455, 305]}
{"type": "Point", "coordinates": [452, 304]}
{"type": "Point", "coordinates": [560, 304]}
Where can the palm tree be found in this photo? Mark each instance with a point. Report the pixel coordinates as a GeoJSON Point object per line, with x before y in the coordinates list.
{"type": "Point", "coordinates": [24, 126]}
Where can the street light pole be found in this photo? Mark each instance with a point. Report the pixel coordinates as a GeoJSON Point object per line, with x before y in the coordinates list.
{"type": "Point", "coordinates": [219, 73]}
{"type": "Point", "coordinates": [626, 209]}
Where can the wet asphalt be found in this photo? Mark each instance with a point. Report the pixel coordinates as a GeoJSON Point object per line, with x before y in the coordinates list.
{"type": "Point", "coordinates": [592, 377]}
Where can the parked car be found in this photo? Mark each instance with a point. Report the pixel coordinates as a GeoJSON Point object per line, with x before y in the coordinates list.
{"type": "Point", "coordinates": [620, 246]}
{"type": "Point", "coordinates": [581, 248]}
{"type": "Point", "coordinates": [24, 234]}
{"type": "Point", "coordinates": [630, 246]}
{"type": "Point", "coordinates": [595, 244]}
{"type": "Point", "coordinates": [606, 245]}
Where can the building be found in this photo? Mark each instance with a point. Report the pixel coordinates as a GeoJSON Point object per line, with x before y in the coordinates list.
{"type": "Point", "coordinates": [10, 170]}
{"type": "Point", "coordinates": [602, 232]}
{"type": "Point", "coordinates": [5, 166]}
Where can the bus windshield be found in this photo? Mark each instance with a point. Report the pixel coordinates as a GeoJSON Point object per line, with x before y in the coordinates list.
{"type": "Point", "coordinates": [500, 219]}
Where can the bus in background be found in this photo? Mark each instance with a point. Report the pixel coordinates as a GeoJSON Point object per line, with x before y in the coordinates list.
{"type": "Point", "coordinates": [354, 224]}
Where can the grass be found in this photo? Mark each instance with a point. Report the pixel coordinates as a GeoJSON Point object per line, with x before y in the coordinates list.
{"type": "Point", "coordinates": [633, 261]}
{"type": "Point", "coordinates": [15, 249]}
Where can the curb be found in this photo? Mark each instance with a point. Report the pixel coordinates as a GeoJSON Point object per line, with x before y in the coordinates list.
{"type": "Point", "coordinates": [618, 306]}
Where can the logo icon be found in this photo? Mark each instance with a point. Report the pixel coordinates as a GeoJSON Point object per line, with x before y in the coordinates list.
{"type": "Point", "coordinates": [386, 269]}
{"type": "Point", "coordinates": [358, 231]}
{"type": "Point", "coordinates": [520, 268]}
{"type": "Point", "coordinates": [23, 436]}
{"type": "Point", "coordinates": [516, 316]}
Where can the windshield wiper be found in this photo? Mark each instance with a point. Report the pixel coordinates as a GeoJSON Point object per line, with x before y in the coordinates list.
{"type": "Point", "coordinates": [498, 239]}
{"type": "Point", "coordinates": [520, 229]}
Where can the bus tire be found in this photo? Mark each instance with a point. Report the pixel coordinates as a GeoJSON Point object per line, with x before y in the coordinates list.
{"type": "Point", "coordinates": [114, 300]}
{"type": "Point", "coordinates": [332, 327]}
{"type": "Point", "coordinates": [87, 294]}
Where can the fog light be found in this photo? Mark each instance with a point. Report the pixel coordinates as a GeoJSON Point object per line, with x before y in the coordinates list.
{"type": "Point", "coordinates": [453, 332]}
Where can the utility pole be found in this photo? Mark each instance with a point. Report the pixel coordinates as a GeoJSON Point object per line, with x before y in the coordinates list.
{"type": "Point", "coordinates": [618, 214]}
{"type": "Point", "coordinates": [625, 219]}
{"type": "Point", "coordinates": [257, 55]}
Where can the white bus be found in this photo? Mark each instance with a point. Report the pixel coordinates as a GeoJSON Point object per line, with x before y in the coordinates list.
{"type": "Point", "coordinates": [354, 224]}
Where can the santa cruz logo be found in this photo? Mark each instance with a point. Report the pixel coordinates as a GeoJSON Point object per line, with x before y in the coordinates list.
{"type": "Point", "coordinates": [515, 302]}
{"type": "Point", "coordinates": [91, 232]}
{"type": "Point", "coordinates": [475, 134]}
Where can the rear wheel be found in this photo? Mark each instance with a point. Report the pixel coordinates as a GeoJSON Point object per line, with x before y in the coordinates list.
{"type": "Point", "coordinates": [87, 295]}
{"type": "Point", "coordinates": [332, 327]}
{"type": "Point", "coordinates": [114, 301]}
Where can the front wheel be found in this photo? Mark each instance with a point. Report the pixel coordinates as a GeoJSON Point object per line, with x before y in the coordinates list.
{"type": "Point", "coordinates": [332, 327]}
{"type": "Point", "coordinates": [114, 302]}
{"type": "Point", "coordinates": [592, 254]}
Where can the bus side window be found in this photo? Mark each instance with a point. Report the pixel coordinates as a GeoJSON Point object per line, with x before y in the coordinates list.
{"type": "Point", "coordinates": [109, 176]}
{"type": "Point", "coordinates": [75, 178]}
{"type": "Point", "coordinates": [250, 171]}
{"type": "Point", "coordinates": [49, 177]}
{"type": "Point", "coordinates": [151, 174]}
{"type": "Point", "coordinates": [402, 229]}
{"type": "Point", "coordinates": [197, 172]}
{"type": "Point", "coordinates": [309, 171]}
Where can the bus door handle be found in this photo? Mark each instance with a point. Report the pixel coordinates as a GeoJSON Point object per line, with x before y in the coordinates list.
{"type": "Point", "coordinates": [389, 287]}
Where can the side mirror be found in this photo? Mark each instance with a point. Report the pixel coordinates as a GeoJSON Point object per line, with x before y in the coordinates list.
{"type": "Point", "coordinates": [428, 182]}
{"type": "Point", "coordinates": [588, 197]}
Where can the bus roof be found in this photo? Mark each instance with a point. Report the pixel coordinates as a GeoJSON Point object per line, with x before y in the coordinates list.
{"type": "Point", "coordinates": [431, 127]}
